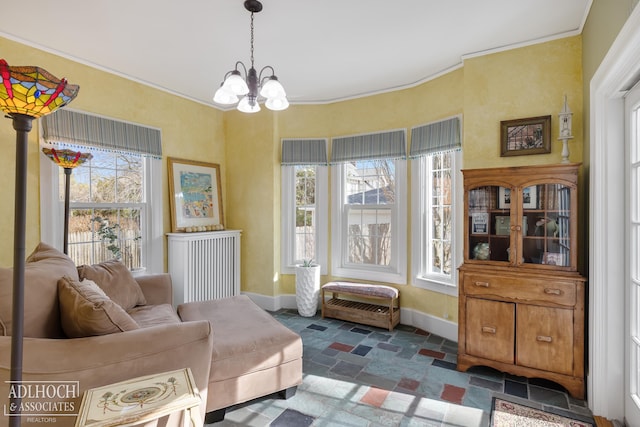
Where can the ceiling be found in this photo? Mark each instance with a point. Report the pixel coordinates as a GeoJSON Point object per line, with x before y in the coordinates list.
{"type": "Point", "coordinates": [322, 51]}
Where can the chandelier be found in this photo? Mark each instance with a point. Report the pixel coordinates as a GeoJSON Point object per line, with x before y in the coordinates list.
{"type": "Point", "coordinates": [252, 86]}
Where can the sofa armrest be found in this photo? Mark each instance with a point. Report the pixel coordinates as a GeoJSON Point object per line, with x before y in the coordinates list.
{"type": "Point", "coordinates": [157, 288]}
{"type": "Point", "coordinates": [102, 360]}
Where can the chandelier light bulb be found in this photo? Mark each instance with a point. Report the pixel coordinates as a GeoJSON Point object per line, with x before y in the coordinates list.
{"type": "Point", "coordinates": [277, 104]}
{"type": "Point", "coordinates": [236, 84]}
{"type": "Point", "coordinates": [224, 96]}
{"type": "Point", "coordinates": [245, 105]}
{"type": "Point", "coordinates": [272, 88]}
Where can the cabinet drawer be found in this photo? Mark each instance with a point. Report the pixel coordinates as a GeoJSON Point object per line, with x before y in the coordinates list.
{"type": "Point", "coordinates": [521, 290]}
{"type": "Point", "coordinates": [545, 338]}
{"type": "Point", "coordinates": [490, 329]}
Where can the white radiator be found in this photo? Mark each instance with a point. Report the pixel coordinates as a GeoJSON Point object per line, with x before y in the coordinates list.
{"type": "Point", "coordinates": [204, 266]}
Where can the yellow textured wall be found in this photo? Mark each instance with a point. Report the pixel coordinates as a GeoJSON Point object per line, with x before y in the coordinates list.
{"type": "Point", "coordinates": [525, 82]}
{"type": "Point", "coordinates": [189, 130]}
{"type": "Point", "coordinates": [520, 83]}
{"type": "Point", "coordinates": [252, 198]}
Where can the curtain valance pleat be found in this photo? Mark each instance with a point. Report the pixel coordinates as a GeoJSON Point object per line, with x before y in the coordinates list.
{"type": "Point", "coordinates": [383, 145]}
{"type": "Point", "coordinates": [304, 152]}
{"type": "Point", "coordinates": [435, 137]}
{"type": "Point", "coordinates": [72, 127]}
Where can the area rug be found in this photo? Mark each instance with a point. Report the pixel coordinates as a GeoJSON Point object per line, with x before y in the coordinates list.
{"type": "Point", "coordinates": [510, 414]}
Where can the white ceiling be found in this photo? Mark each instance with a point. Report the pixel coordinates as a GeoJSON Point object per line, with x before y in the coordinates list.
{"type": "Point", "coordinates": [322, 51]}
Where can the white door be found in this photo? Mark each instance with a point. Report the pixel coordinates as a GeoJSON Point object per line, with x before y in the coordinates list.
{"type": "Point", "coordinates": [632, 254]}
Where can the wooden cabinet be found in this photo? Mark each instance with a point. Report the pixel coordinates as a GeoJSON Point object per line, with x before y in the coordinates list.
{"type": "Point", "coordinates": [521, 301]}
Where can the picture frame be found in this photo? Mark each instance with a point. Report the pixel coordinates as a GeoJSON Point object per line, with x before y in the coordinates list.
{"type": "Point", "coordinates": [525, 136]}
{"type": "Point", "coordinates": [554, 258]}
{"type": "Point", "coordinates": [503, 225]}
{"type": "Point", "coordinates": [529, 197]}
{"type": "Point", "coordinates": [480, 223]}
{"type": "Point", "coordinates": [195, 195]}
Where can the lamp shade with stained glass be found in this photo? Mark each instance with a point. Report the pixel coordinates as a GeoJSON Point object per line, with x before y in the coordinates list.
{"type": "Point", "coordinates": [26, 93]}
{"type": "Point", "coordinates": [32, 91]}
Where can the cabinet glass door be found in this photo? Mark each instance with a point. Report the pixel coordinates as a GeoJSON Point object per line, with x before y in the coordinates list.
{"type": "Point", "coordinates": [546, 230]}
{"type": "Point", "coordinates": [489, 223]}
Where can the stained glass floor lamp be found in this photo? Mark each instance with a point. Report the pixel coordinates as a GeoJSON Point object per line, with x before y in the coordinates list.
{"type": "Point", "coordinates": [26, 93]}
{"type": "Point", "coordinates": [68, 160]}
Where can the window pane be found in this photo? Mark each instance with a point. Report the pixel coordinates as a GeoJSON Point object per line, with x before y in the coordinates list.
{"type": "Point", "coordinates": [78, 185]}
{"type": "Point", "coordinates": [129, 179]}
{"type": "Point", "coordinates": [370, 182]}
{"type": "Point", "coordinates": [369, 236]}
{"type": "Point", "coordinates": [97, 235]}
{"type": "Point", "coordinates": [438, 225]}
{"type": "Point", "coordinates": [305, 213]}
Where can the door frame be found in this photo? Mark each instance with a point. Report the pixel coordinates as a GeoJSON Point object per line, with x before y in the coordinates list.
{"type": "Point", "coordinates": [632, 407]}
{"type": "Point", "coordinates": [611, 81]}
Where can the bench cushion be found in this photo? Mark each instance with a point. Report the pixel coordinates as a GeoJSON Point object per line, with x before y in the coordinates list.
{"type": "Point", "coordinates": [364, 289]}
{"type": "Point", "coordinates": [245, 337]}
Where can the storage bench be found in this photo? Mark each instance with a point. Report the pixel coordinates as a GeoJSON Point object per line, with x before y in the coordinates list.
{"type": "Point", "coordinates": [381, 306]}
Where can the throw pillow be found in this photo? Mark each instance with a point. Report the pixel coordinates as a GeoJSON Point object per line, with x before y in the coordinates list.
{"type": "Point", "coordinates": [85, 310]}
{"type": "Point", "coordinates": [115, 279]}
{"type": "Point", "coordinates": [41, 311]}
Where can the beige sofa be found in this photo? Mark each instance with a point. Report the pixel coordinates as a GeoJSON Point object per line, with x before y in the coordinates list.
{"type": "Point", "coordinates": [98, 325]}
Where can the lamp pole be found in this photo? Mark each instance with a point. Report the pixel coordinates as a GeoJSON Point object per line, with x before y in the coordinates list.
{"type": "Point", "coordinates": [26, 93]}
{"type": "Point", "coordinates": [67, 179]}
{"type": "Point", "coordinates": [22, 124]}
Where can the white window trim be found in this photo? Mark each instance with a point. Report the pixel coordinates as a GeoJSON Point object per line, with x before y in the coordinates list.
{"type": "Point", "coordinates": [288, 214]}
{"type": "Point", "coordinates": [397, 272]}
{"type": "Point", "coordinates": [52, 211]}
{"type": "Point", "coordinates": [419, 196]}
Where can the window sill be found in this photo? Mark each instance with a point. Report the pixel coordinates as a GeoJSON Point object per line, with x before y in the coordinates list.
{"type": "Point", "coordinates": [384, 276]}
{"type": "Point", "coordinates": [434, 285]}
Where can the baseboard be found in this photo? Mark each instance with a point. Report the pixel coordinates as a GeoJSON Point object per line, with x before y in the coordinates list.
{"type": "Point", "coordinates": [408, 316]}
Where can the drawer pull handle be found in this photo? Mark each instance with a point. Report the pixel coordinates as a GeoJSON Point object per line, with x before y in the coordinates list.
{"type": "Point", "coordinates": [543, 338]}
{"type": "Point", "coordinates": [550, 291]}
{"type": "Point", "coordinates": [489, 329]}
{"type": "Point", "coordinates": [482, 284]}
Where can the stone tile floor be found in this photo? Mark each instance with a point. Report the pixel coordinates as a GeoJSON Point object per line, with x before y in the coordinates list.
{"type": "Point", "coordinates": [356, 375]}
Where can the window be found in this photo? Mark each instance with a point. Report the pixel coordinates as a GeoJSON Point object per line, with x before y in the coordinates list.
{"type": "Point", "coordinates": [436, 198]}
{"type": "Point", "coordinates": [106, 209]}
{"type": "Point", "coordinates": [114, 204]}
{"type": "Point", "coordinates": [304, 203]}
{"type": "Point", "coordinates": [369, 226]}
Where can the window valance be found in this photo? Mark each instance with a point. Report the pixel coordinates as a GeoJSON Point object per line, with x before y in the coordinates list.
{"type": "Point", "coordinates": [382, 145]}
{"type": "Point", "coordinates": [304, 151]}
{"type": "Point", "coordinates": [73, 127]}
{"type": "Point", "coordinates": [435, 137]}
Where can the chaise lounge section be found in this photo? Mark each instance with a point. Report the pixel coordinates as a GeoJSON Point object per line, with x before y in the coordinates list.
{"type": "Point", "coordinates": [253, 354]}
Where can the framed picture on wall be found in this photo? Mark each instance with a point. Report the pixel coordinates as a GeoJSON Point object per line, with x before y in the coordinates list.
{"type": "Point", "coordinates": [525, 136]}
{"type": "Point", "coordinates": [195, 195]}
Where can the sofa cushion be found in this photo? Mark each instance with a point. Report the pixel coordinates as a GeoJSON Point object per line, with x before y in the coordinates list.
{"type": "Point", "coordinates": [85, 310]}
{"type": "Point", "coordinates": [41, 310]}
{"type": "Point", "coordinates": [116, 281]}
{"type": "Point", "coordinates": [152, 315]}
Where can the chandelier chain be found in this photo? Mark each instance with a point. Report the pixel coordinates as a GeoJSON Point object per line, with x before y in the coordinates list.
{"type": "Point", "coordinates": [251, 39]}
